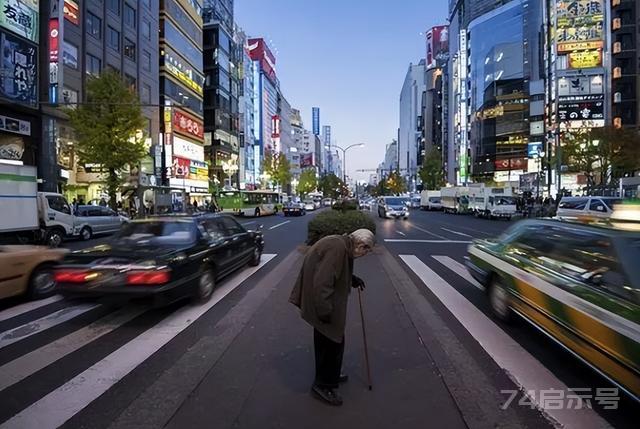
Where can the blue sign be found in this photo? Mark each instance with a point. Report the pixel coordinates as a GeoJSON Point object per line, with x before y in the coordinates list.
{"type": "Point", "coordinates": [315, 118]}
{"type": "Point", "coordinates": [534, 149]}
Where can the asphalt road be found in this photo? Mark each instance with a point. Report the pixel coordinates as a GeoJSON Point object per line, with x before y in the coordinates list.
{"type": "Point", "coordinates": [438, 356]}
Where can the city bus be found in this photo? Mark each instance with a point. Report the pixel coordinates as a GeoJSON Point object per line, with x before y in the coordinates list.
{"type": "Point", "coordinates": [249, 203]}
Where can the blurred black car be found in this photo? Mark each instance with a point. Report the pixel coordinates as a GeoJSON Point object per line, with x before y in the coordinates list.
{"type": "Point", "coordinates": [167, 258]}
{"type": "Point", "coordinates": [293, 209]}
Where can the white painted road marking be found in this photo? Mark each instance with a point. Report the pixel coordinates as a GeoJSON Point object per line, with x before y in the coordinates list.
{"type": "Point", "coordinates": [410, 240]}
{"type": "Point", "coordinates": [30, 363]}
{"type": "Point", "coordinates": [280, 224]}
{"type": "Point", "coordinates": [456, 232]}
{"type": "Point", "coordinates": [24, 331]}
{"type": "Point", "coordinates": [60, 405]}
{"type": "Point", "coordinates": [401, 233]}
{"type": "Point", "coordinates": [524, 369]}
{"type": "Point", "coordinates": [428, 232]}
{"type": "Point", "coordinates": [458, 268]}
{"type": "Point", "coordinates": [27, 306]}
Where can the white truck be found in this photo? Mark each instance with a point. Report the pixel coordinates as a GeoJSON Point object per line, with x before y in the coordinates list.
{"type": "Point", "coordinates": [492, 202]}
{"type": "Point", "coordinates": [430, 200]}
{"type": "Point", "coordinates": [29, 215]}
{"type": "Point", "coordinates": [455, 199]}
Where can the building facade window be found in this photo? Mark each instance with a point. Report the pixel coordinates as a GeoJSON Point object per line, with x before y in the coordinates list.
{"type": "Point", "coordinates": [113, 39]}
{"type": "Point", "coordinates": [145, 94]}
{"type": "Point", "coordinates": [70, 55]}
{"type": "Point", "coordinates": [146, 29]}
{"type": "Point", "coordinates": [146, 60]}
{"type": "Point", "coordinates": [130, 81]}
{"type": "Point", "coordinates": [130, 49]}
{"type": "Point", "coordinates": [94, 65]}
{"type": "Point", "coordinates": [129, 16]}
{"type": "Point", "coordinates": [94, 26]}
{"type": "Point", "coordinates": [114, 6]}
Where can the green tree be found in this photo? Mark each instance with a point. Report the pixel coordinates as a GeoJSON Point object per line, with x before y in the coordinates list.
{"type": "Point", "coordinates": [431, 170]}
{"type": "Point", "coordinates": [268, 165]}
{"type": "Point", "coordinates": [308, 181]}
{"type": "Point", "coordinates": [603, 154]}
{"type": "Point", "coordinates": [331, 186]}
{"type": "Point", "coordinates": [109, 128]}
{"type": "Point", "coordinates": [395, 183]}
{"type": "Point", "coordinates": [282, 170]}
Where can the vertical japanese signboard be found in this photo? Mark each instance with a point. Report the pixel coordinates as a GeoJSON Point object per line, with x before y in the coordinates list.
{"type": "Point", "coordinates": [18, 70]}
{"type": "Point", "coordinates": [55, 38]}
{"type": "Point", "coordinates": [20, 17]}
{"type": "Point", "coordinates": [315, 119]}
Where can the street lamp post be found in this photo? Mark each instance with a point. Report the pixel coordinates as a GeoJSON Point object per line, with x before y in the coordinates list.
{"type": "Point", "coordinates": [344, 157]}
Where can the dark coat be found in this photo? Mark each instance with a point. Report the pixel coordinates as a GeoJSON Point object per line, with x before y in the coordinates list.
{"type": "Point", "coordinates": [323, 285]}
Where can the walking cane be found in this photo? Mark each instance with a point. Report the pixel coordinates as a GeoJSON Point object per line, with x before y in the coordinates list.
{"type": "Point", "coordinates": [364, 336]}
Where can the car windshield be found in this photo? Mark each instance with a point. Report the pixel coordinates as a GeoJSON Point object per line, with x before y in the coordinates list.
{"type": "Point", "coordinates": [395, 201]}
{"type": "Point", "coordinates": [168, 233]}
{"type": "Point", "coordinates": [505, 201]}
{"type": "Point", "coordinates": [434, 199]}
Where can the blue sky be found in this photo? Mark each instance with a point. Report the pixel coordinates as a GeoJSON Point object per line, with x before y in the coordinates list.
{"type": "Point", "coordinates": [348, 57]}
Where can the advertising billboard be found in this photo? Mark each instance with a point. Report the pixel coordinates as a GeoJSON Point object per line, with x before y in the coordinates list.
{"type": "Point", "coordinates": [580, 32]}
{"type": "Point", "coordinates": [185, 149]}
{"type": "Point", "coordinates": [306, 160]}
{"type": "Point", "coordinates": [71, 12]}
{"type": "Point", "coordinates": [437, 45]}
{"type": "Point", "coordinates": [586, 111]}
{"type": "Point", "coordinates": [21, 17]}
{"type": "Point", "coordinates": [259, 51]}
{"type": "Point", "coordinates": [510, 164]}
{"type": "Point", "coordinates": [534, 149]}
{"type": "Point", "coordinates": [315, 120]}
{"type": "Point", "coordinates": [186, 124]}
{"type": "Point", "coordinates": [18, 70]}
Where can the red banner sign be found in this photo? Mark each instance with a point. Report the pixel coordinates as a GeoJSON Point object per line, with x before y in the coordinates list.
{"type": "Point", "coordinates": [186, 124]}
{"type": "Point", "coordinates": [54, 45]}
{"type": "Point", "coordinates": [71, 12]}
{"type": "Point", "coordinates": [510, 164]}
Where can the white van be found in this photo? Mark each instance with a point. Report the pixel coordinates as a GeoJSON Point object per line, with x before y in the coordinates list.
{"type": "Point", "coordinates": [586, 207]}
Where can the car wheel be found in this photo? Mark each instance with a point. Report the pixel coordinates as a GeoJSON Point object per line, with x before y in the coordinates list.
{"type": "Point", "coordinates": [41, 282]}
{"type": "Point", "coordinates": [257, 212]}
{"type": "Point", "coordinates": [86, 233]}
{"type": "Point", "coordinates": [206, 285]}
{"type": "Point", "coordinates": [499, 300]}
{"type": "Point", "coordinates": [255, 257]}
{"type": "Point", "coordinates": [54, 237]}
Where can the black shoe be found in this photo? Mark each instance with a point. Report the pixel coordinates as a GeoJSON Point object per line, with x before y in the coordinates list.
{"type": "Point", "coordinates": [343, 378]}
{"type": "Point", "coordinates": [330, 396]}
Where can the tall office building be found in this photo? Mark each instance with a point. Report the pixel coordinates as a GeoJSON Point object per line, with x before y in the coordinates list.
{"type": "Point", "coordinates": [223, 68]}
{"type": "Point", "coordinates": [266, 105]}
{"type": "Point", "coordinates": [410, 132]}
{"type": "Point", "coordinates": [181, 95]}
{"type": "Point", "coordinates": [625, 66]}
{"type": "Point", "coordinates": [248, 173]}
{"type": "Point", "coordinates": [81, 39]}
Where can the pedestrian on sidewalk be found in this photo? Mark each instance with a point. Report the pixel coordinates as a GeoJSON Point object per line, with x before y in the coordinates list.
{"type": "Point", "coordinates": [321, 293]}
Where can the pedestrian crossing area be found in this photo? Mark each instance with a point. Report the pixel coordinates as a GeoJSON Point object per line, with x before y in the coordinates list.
{"type": "Point", "coordinates": [70, 353]}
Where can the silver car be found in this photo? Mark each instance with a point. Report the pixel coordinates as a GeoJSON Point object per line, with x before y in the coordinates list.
{"type": "Point", "coordinates": [100, 220]}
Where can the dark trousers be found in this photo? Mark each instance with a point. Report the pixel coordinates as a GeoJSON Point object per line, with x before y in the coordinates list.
{"type": "Point", "coordinates": [328, 360]}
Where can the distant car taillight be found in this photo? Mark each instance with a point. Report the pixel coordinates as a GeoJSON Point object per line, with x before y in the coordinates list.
{"type": "Point", "coordinates": [148, 278]}
{"type": "Point", "coordinates": [73, 276]}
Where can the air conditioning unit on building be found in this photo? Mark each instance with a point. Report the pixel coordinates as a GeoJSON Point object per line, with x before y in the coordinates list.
{"type": "Point", "coordinates": [617, 97]}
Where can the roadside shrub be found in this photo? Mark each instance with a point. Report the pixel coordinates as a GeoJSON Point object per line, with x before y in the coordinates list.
{"type": "Point", "coordinates": [338, 222]}
{"type": "Point", "coordinates": [345, 205]}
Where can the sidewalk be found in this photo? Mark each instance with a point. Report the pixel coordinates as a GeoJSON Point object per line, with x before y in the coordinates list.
{"type": "Point", "coordinates": [264, 377]}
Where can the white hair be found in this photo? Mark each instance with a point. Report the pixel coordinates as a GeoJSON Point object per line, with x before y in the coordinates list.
{"type": "Point", "coordinates": [363, 236]}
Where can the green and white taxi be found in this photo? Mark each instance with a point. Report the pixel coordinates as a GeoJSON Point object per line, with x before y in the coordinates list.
{"type": "Point", "coordinates": [577, 283]}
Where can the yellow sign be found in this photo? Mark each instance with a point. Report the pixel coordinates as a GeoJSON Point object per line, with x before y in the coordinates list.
{"type": "Point", "coordinates": [585, 59]}
{"type": "Point", "coordinates": [579, 46]}
{"type": "Point", "coordinates": [184, 78]}
{"type": "Point", "coordinates": [167, 120]}
{"type": "Point", "coordinates": [580, 21]}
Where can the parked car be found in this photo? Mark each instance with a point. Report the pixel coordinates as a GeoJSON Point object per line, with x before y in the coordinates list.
{"type": "Point", "coordinates": [28, 270]}
{"type": "Point", "coordinates": [415, 202]}
{"type": "Point", "coordinates": [99, 220]}
{"type": "Point", "coordinates": [393, 207]}
{"type": "Point", "coordinates": [586, 207]}
{"type": "Point", "coordinates": [293, 209]}
{"type": "Point", "coordinates": [578, 283]}
{"type": "Point", "coordinates": [326, 202]}
{"type": "Point", "coordinates": [165, 258]}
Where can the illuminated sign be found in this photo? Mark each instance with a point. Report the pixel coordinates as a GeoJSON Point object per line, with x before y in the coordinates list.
{"type": "Point", "coordinates": [579, 46]}
{"type": "Point", "coordinates": [185, 149]}
{"type": "Point", "coordinates": [18, 70]}
{"type": "Point", "coordinates": [510, 164]}
{"type": "Point", "coordinates": [275, 127]}
{"type": "Point", "coordinates": [315, 120]}
{"type": "Point", "coordinates": [190, 169]}
{"type": "Point", "coordinates": [591, 110]}
{"type": "Point", "coordinates": [71, 12]}
{"type": "Point", "coordinates": [186, 124]}
{"type": "Point", "coordinates": [585, 59]}
{"type": "Point", "coordinates": [21, 17]}
{"type": "Point", "coordinates": [580, 85]}
{"type": "Point", "coordinates": [183, 72]}
{"type": "Point", "coordinates": [513, 140]}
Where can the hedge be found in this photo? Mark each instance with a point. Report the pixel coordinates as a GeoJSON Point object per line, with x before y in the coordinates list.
{"type": "Point", "coordinates": [345, 205]}
{"type": "Point", "coordinates": [338, 222]}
